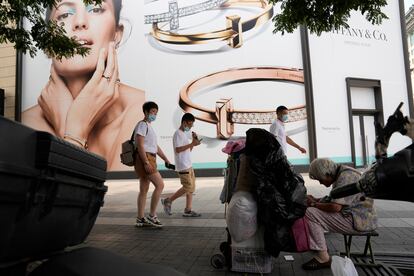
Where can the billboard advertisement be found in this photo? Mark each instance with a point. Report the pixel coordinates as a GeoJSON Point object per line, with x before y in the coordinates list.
{"type": "Point", "coordinates": [217, 59]}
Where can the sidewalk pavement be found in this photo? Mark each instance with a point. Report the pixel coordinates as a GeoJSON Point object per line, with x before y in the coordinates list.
{"type": "Point", "coordinates": [187, 244]}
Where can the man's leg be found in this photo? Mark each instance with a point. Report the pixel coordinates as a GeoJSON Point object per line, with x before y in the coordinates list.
{"type": "Point", "coordinates": [188, 211]}
{"type": "Point", "coordinates": [142, 195]}
{"type": "Point", "coordinates": [180, 192]}
{"type": "Point", "coordinates": [158, 182]}
{"type": "Point", "coordinates": [166, 202]}
{"type": "Point", "coordinates": [189, 201]}
{"type": "Point", "coordinates": [190, 191]}
{"type": "Point", "coordinates": [141, 221]}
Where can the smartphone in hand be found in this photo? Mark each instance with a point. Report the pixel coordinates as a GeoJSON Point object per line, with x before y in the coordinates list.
{"type": "Point", "coordinates": [196, 137]}
{"type": "Point", "coordinates": [170, 166]}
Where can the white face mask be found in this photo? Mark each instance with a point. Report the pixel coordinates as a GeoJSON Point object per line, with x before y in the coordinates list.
{"type": "Point", "coordinates": [152, 117]}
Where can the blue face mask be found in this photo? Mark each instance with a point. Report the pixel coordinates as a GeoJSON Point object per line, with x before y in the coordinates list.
{"type": "Point", "coordinates": [186, 129]}
{"type": "Point", "coordinates": [152, 117]}
{"type": "Point", "coordinates": [285, 118]}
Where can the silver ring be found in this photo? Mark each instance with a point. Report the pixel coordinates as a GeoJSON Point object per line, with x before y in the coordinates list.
{"type": "Point", "coordinates": [107, 78]}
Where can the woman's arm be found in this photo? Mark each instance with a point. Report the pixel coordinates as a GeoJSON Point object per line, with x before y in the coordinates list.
{"type": "Point", "coordinates": [34, 117]}
{"type": "Point", "coordinates": [55, 101]}
{"type": "Point", "coordinates": [327, 207]}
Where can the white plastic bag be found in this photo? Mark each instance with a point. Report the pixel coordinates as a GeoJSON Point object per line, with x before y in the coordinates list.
{"type": "Point", "coordinates": [241, 216]}
{"type": "Point", "coordinates": [343, 267]}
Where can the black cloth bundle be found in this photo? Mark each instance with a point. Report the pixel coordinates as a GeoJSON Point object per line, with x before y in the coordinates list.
{"type": "Point", "coordinates": [279, 190]}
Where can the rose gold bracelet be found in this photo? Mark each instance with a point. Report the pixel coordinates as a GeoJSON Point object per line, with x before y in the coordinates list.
{"type": "Point", "coordinates": [225, 116]}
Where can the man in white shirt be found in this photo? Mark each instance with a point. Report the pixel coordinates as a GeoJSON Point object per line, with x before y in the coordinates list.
{"type": "Point", "coordinates": [278, 130]}
{"type": "Point", "coordinates": [146, 166]}
{"type": "Point", "coordinates": [183, 165]}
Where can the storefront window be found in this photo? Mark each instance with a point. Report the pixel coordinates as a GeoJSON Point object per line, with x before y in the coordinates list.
{"type": "Point", "coordinates": [412, 39]}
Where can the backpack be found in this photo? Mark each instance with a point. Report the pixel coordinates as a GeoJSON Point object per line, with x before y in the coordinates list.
{"type": "Point", "coordinates": [128, 150]}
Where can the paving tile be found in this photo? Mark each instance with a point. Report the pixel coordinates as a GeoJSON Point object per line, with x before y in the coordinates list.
{"type": "Point", "coordinates": [188, 244]}
{"type": "Point", "coordinates": [396, 214]}
{"type": "Point", "coordinates": [392, 222]}
{"type": "Point", "coordinates": [409, 221]}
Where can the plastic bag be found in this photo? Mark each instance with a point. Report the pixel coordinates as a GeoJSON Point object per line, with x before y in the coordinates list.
{"type": "Point", "coordinates": [343, 267]}
{"type": "Point", "coordinates": [241, 216]}
{"type": "Point", "coordinates": [300, 231]}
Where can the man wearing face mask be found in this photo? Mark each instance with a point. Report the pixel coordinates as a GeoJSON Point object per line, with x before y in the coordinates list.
{"type": "Point", "coordinates": [146, 166]}
{"type": "Point", "coordinates": [278, 129]}
{"type": "Point", "coordinates": [182, 154]}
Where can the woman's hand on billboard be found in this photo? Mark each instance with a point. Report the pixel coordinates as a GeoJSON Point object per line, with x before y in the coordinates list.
{"type": "Point", "coordinates": [55, 101]}
{"type": "Point", "coordinates": [96, 97]}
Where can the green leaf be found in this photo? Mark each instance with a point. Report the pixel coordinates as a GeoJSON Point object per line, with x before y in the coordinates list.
{"type": "Point", "coordinates": [45, 36]}
{"type": "Point", "coordinates": [324, 15]}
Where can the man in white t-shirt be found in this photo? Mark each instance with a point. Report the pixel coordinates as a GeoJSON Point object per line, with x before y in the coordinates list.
{"type": "Point", "coordinates": [146, 166]}
{"type": "Point", "coordinates": [182, 153]}
{"type": "Point", "coordinates": [278, 130]}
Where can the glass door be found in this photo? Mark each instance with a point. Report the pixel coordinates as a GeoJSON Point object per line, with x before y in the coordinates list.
{"type": "Point", "coordinates": [364, 139]}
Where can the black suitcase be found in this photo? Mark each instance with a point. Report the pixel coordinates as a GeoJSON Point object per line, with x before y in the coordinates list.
{"type": "Point", "coordinates": [90, 261]}
{"type": "Point", "coordinates": [50, 193]}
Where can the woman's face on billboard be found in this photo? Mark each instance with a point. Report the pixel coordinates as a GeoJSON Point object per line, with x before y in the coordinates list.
{"type": "Point", "coordinates": [94, 26]}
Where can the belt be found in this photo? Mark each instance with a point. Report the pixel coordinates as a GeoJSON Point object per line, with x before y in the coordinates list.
{"type": "Point", "coordinates": [183, 172]}
{"type": "Point", "coordinates": [152, 154]}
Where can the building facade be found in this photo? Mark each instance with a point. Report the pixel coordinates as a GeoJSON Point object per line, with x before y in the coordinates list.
{"type": "Point", "coordinates": [8, 78]}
